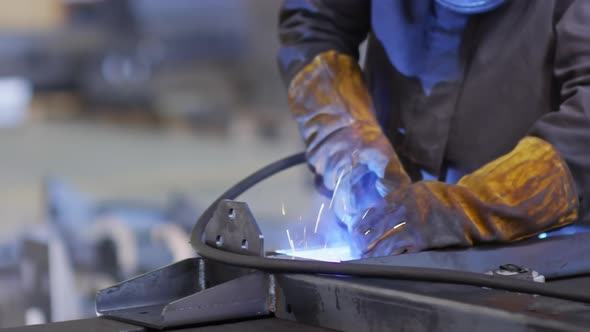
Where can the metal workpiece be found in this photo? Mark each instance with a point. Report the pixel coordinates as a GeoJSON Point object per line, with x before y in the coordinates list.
{"type": "Point", "coordinates": [171, 297]}
{"type": "Point", "coordinates": [197, 291]}
{"type": "Point", "coordinates": [244, 297]}
{"type": "Point", "coordinates": [200, 291]}
{"type": "Point", "coordinates": [233, 228]}
{"type": "Point", "coordinates": [554, 257]}
{"type": "Point", "coordinates": [356, 304]}
{"type": "Point", "coordinates": [144, 298]}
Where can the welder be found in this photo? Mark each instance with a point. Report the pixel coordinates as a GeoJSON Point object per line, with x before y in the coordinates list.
{"type": "Point", "coordinates": [468, 122]}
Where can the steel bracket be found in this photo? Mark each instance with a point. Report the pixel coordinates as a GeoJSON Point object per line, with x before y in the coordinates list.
{"type": "Point", "coordinates": [233, 228]}
{"type": "Point", "coordinates": [196, 291]}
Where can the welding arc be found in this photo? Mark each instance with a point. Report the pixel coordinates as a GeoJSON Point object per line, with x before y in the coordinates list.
{"type": "Point", "coordinates": [353, 269]}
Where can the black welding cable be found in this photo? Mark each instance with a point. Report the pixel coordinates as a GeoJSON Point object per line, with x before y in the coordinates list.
{"type": "Point", "coordinates": [352, 269]}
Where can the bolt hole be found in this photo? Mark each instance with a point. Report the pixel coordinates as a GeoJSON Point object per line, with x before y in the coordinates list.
{"type": "Point", "coordinates": [244, 244]}
{"type": "Point", "coordinates": [231, 214]}
{"type": "Point", "coordinates": [289, 309]}
{"type": "Point", "coordinates": [219, 240]}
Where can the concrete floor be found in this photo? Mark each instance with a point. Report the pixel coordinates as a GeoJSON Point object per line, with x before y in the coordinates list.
{"type": "Point", "coordinates": [106, 161]}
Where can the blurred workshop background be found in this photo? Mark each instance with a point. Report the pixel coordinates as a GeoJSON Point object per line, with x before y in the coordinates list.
{"type": "Point", "coordinates": [120, 121]}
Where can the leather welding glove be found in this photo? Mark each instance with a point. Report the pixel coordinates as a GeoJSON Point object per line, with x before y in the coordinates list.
{"type": "Point", "coordinates": [521, 194]}
{"type": "Point", "coordinates": [333, 109]}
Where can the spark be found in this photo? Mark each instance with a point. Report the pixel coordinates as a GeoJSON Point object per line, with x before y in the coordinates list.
{"type": "Point", "coordinates": [305, 236]}
{"type": "Point", "coordinates": [291, 243]}
{"type": "Point", "coordinates": [542, 235]}
{"type": "Point", "coordinates": [289, 237]}
{"type": "Point", "coordinates": [336, 188]}
{"type": "Point", "coordinates": [367, 231]}
{"type": "Point", "coordinates": [283, 208]}
{"type": "Point", "coordinates": [399, 225]}
{"type": "Point", "coordinates": [326, 244]}
{"type": "Point", "coordinates": [317, 221]}
{"type": "Point", "coordinates": [366, 212]}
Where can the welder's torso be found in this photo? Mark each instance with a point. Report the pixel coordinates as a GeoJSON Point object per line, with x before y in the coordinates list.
{"type": "Point", "coordinates": [455, 90]}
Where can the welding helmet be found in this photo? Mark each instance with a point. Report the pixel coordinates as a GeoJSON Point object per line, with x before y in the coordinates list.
{"type": "Point", "coordinates": [470, 6]}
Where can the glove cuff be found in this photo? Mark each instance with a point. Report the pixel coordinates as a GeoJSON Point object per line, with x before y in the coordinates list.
{"type": "Point", "coordinates": [532, 178]}
{"type": "Point", "coordinates": [332, 86]}
{"type": "Point", "coordinates": [334, 111]}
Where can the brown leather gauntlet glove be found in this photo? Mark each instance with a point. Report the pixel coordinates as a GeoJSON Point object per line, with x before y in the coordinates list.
{"type": "Point", "coordinates": [521, 194]}
{"type": "Point", "coordinates": [334, 111]}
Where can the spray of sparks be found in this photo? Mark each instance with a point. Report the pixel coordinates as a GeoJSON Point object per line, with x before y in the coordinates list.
{"type": "Point", "coordinates": [317, 223]}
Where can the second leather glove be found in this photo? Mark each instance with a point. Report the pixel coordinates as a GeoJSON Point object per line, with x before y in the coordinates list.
{"type": "Point", "coordinates": [521, 194]}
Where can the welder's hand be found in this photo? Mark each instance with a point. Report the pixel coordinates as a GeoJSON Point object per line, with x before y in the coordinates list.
{"type": "Point", "coordinates": [355, 192]}
{"type": "Point", "coordinates": [334, 111]}
{"type": "Point", "coordinates": [523, 193]}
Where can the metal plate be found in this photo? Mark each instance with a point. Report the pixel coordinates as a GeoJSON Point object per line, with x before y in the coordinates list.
{"type": "Point", "coordinates": [172, 296]}
{"type": "Point", "coordinates": [354, 304]}
{"type": "Point", "coordinates": [233, 228]}
{"type": "Point", "coordinates": [240, 298]}
{"type": "Point", "coordinates": [556, 257]}
{"type": "Point", "coordinates": [244, 297]}
{"type": "Point", "coordinates": [143, 298]}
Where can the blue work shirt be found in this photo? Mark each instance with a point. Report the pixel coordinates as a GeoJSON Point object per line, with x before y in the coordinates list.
{"type": "Point", "coordinates": [430, 52]}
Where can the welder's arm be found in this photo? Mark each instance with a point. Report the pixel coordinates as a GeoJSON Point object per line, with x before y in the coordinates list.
{"type": "Point", "coordinates": [528, 191]}
{"type": "Point", "coordinates": [568, 129]}
{"type": "Point", "coordinates": [329, 101]}
{"type": "Point", "coordinates": [334, 112]}
{"type": "Point", "coordinates": [310, 27]}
